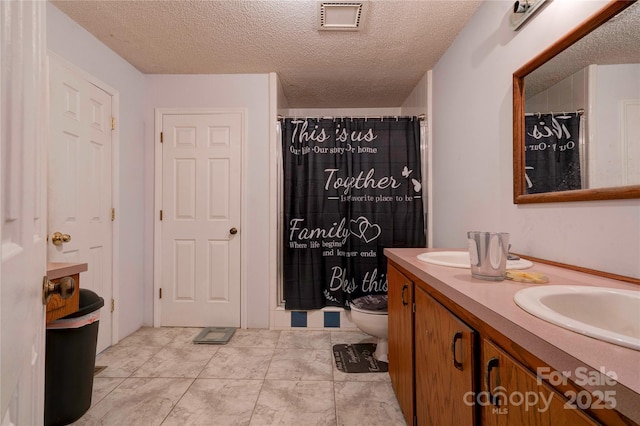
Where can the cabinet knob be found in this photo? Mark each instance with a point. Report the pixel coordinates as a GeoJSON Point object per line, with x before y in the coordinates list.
{"type": "Point", "coordinates": [233, 231]}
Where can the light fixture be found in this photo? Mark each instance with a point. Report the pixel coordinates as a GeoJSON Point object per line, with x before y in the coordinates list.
{"type": "Point", "coordinates": [339, 16]}
{"type": "Point", "coordinates": [523, 10]}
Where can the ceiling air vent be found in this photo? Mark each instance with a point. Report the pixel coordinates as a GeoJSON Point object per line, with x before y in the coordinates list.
{"type": "Point", "coordinates": [340, 16]}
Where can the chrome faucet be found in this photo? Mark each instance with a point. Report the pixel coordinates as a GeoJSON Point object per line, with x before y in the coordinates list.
{"type": "Point", "coordinates": [511, 256]}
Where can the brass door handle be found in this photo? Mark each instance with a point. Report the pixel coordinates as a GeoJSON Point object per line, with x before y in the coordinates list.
{"type": "Point", "coordinates": [233, 231]}
{"type": "Point", "coordinates": [58, 238]}
{"type": "Point", "coordinates": [65, 287]}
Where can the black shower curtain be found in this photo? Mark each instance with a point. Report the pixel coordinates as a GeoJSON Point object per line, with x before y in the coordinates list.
{"type": "Point", "coordinates": [552, 157]}
{"type": "Point", "coordinates": [351, 188]}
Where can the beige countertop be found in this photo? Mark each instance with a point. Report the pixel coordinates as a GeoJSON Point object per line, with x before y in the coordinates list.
{"type": "Point", "coordinates": [563, 350]}
{"type": "Point", "coordinates": [59, 270]}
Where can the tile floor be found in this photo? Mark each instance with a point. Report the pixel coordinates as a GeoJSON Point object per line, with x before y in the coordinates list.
{"type": "Point", "coordinates": [156, 376]}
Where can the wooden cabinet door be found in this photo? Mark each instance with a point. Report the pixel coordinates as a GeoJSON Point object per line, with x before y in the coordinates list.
{"type": "Point", "coordinates": [521, 400]}
{"type": "Point", "coordinates": [444, 364]}
{"type": "Point", "coordinates": [400, 310]}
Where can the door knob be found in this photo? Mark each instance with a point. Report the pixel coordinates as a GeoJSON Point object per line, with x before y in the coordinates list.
{"type": "Point", "coordinates": [233, 231]}
{"type": "Point", "coordinates": [58, 238]}
{"type": "Point", "coordinates": [65, 287]}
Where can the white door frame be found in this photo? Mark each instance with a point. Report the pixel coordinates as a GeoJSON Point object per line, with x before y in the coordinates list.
{"type": "Point", "coordinates": [157, 230]}
{"type": "Point", "coordinates": [115, 186]}
{"type": "Point", "coordinates": [427, 163]}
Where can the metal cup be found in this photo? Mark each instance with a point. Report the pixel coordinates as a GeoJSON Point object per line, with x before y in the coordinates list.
{"type": "Point", "coordinates": [488, 252]}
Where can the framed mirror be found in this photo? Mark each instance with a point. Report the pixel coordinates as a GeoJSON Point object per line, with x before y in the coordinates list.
{"type": "Point", "coordinates": [576, 113]}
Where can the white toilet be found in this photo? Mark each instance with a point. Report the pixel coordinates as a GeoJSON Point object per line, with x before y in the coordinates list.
{"type": "Point", "coordinates": [369, 314]}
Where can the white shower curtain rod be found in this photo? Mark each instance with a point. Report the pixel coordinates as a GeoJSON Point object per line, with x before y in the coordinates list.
{"type": "Point", "coordinates": [579, 112]}
{"type": "Point", "coordinates": [421, 117]}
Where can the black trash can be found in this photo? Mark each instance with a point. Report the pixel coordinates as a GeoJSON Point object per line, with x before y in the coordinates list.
{"type": "Point", "coordinates": [70, 359]}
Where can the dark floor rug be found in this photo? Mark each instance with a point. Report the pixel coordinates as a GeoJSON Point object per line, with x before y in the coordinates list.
{"type": "Point", "coordinates": [358, 358]}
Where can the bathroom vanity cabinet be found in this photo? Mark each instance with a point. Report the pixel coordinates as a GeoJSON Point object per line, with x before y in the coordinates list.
{"type": "Point", "coordinates": [501, 370]}
{"type": "Point", "coordinates": [445, 367]}
{"type": "Point", "coordinates": [430, 350]}
{"type": "Point", "coordinates": [448, 365]}
{"type": "Point", "coordinates": [400, 316]}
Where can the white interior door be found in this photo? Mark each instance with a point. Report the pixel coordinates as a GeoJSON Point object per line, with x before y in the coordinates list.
{"type": "Point", "coordinates": [630, 142]}
{"type": "Point", "coordinates": [201, 183]}
{"type": "Point", "coordinates": [80, 188]}
{"type": "Point", "coordinates": [23, 113]}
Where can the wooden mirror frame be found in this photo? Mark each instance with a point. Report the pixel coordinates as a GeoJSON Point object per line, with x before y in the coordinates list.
{"type": "Point", "coordinates": [520, 195]}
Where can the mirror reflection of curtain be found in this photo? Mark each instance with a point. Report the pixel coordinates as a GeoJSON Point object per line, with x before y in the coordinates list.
{"type": "Point", "coordinates": [552, 152]}
{"type": "Point", "coordinates": [352, 187]}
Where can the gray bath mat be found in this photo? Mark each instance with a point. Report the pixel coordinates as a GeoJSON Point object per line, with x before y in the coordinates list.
{"type": "Point", "coordinates": [214, 335]}
{"type": "Point", "coordinates": [358, 358]}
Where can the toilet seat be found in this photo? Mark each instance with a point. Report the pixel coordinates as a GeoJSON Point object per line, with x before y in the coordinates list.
{"type": "Point", "coordinates": [372, 304]}
{"type": "Point", "coordinates": [368, 311]}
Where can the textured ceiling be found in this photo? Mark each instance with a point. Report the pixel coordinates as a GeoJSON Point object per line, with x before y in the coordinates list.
{"type": "Point", "coordinates": [615, 42]}
{"type": "Point", "coordinates": [377, 66]}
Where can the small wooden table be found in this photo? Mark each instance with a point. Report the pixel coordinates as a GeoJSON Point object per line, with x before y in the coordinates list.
{"type": "Point", "coordinates": [57, 306]}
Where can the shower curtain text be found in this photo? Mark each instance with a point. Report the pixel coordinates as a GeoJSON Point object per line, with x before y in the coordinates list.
{"type": "Point", "coordinates": [351, 188]}
{"type": "Point", "coordinates": [552, 156]}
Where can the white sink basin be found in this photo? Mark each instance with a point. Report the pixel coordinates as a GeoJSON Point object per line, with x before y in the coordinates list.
{"type": "Point", "coordinates": [461, 259]}
{"type": "Point", "coordinates": [608, 314]}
